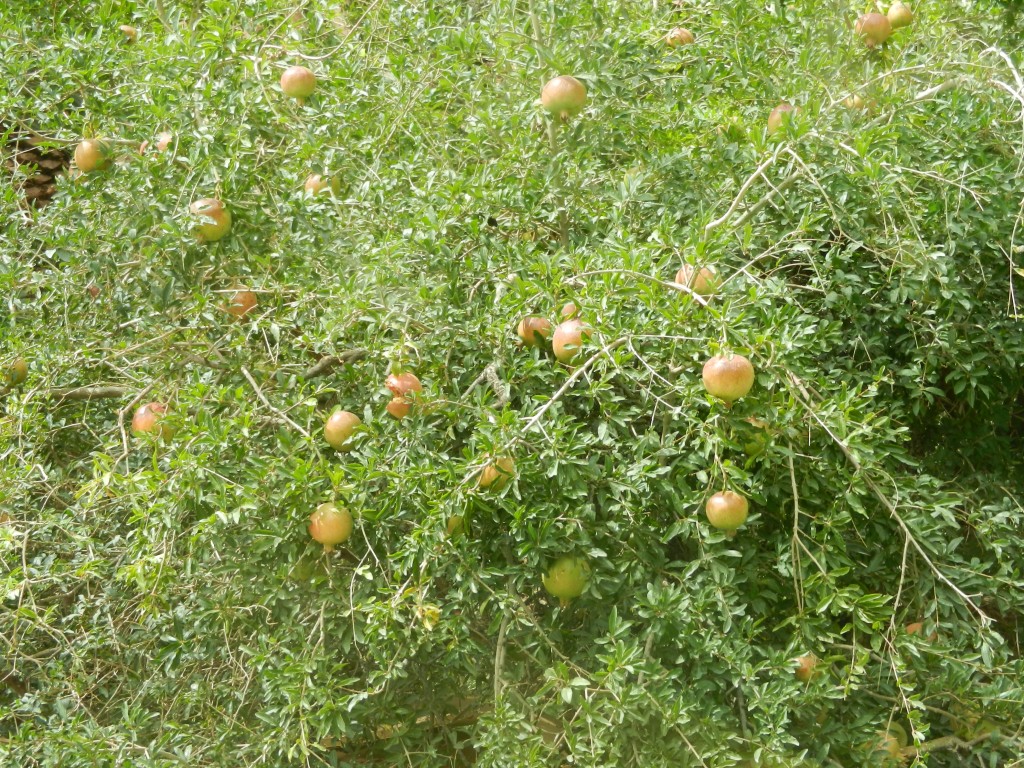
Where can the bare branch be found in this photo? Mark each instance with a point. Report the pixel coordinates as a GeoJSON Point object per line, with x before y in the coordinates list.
{"type": "Point", "coordinates": [99, 392]}
{"type": "Point", "coordinates": [327, 364]}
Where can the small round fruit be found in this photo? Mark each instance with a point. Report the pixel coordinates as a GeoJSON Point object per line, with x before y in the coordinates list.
{"type": "Point", "coordinates": [563, 96]}
{"type": "Point", "coordinates": [163, 141]}
{"type": "Point", "coordinates": [456, 525]}
{"type": "Point", "coordinates": [567, 339]}
{"type": "Point", "coordinates": [781, 115]}
{"type": "Point", "coordinates": [242, 302]}
{"type": "Point", "coordinates": [899, 15]}
{"type": "Point", "coordinates": [339, 428]}
{"type": "Point", "coordinates": [399, 407]}
{"type": "Point", "coordinates": [330, 525]}
{"type": "Point", "coordinates": [569, 311]}
{"type": "Point", "coordinates": [806, 667]}
{"type": "Point", "coordinates": [567, 578]}
{"type": "Point", "coordinates": [148, 418]}
{"type": "Point", "coordinates": [727, 510]}
{"type": "Point", "coordinates": [702, 282]}
{"type": "Point", "coordinates": [854, 101]}
{"type": "Point", "coordinates": [130, 33]}
{"type": "Point", "coordinates": [887, 748]}
{"type": "Point", "coordinates": [298, 83]}
{"type": "Point", "coordinates": [728, 378]}
{"type": "Point", "coordinates": [17, 373]}
{"type": "Point", "coordinates": [318, 185]}
{"type": "Point", "coordinates": [403, 383]}
{"type": "Point", "coordinates": [92, 155]}
{"type": "Point", "coordinates": [534, 330]}
{"type": "Point", "coordinates": [498, 474]}
{"type": "Point", "coordinates": [679, 36]}
{"type": "Point", "coordinates": [215, 219]}
{"type": "Point", "coordinates": [874, 28]}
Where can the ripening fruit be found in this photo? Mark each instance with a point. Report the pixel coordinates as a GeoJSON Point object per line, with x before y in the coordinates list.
{"type": "Point", "coordinates": [403, 383]}
{"type": "Point", "coordinates": [567, 578]}
{"type": "Point", "coordinates": [563, 96]}
{"type": "Point", "coordinates": [874, 28]}
{"type": "Point", "coordinates": [17, 372]}
{"type": "Point", "coordinates": [92, 155]}
{"type": "Point", "coordinates": [806, 667]}
{"type": "Point", "coordinates": [498, 473]}
{"type": "Point", "coordinates": [298, 83]}
{"type": "Point", "coordinates": [242, 302]}
{"type": "Point", "coordinates": [567, 339]}
{"type": "Point", "coordinates": [330, 525]}
{"type": "Point", "coordinates": [781, 115]}
{"type": "Point", "coordinates": [456, 525]}
{"type": "Point", "coordinates": [317, 184]}
{"type": "Point", "coordinates": [679, 36]}
{"type": "Point", "coordinates": [339, 428]}
{"type": "Point", "coordinates": [399, 407]}
{"type": "Point", "coordinates": [149, 418]}
{"type": "Point", "coordinates": [887, 749]}
{"type": "Point", "coordinates": [727, 510]}
{"type": "Point", "coordinates": [899, 16]}
{"type": "Point", "coordinates": [854, 101]}
{"type": "Point", "coordinates": [215, 219]}
{"type": "Point", "coordinates": [728, 377]}
{"type": "Point", "coordinates": [534, 330]}
{"type": "Point", "coordinates": [701, 282]}
{"type": "Point", "coordinates": [130, 33]}
{"type": "Point", "coordinates": [163, 141]}
{"type": "Point", "coordinates": [569, 311]}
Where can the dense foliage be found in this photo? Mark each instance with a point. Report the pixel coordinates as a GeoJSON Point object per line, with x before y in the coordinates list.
{"type": "Point", "coordinates": [163, 602]}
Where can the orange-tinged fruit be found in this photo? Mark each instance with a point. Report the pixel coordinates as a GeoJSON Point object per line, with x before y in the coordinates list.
{"type": "Point", "coordinates": [399, 407]}
{"type": "Point", "coordinates": [149, 418]}
{"type": "Point", "coordinates": [781, 115]}
{"type": "Point", "coordinates": [679, 36]}
{"type": "Point", "coordinates": [339, 429]}
{"type": "Point", "coordinates": [92, 155]}
{"type": "Point", "coordinates": [498, 473]}
{"type": "Point", "coordinates": [899, 16]}
{"type": "Point", "coordinates": [728, 377]}
{"type": "Point", "coordinates": [563, 96]}
{"type": "Point", "coordinates": [17, 372]}
{"type": "Point", "coordinates": [214, 219]}
{"type": "Point", "coordinates": [806, 667]}
{"type": "Point", "coordinates": [727, 510]}
{"type": "Point", "coordinates": [242, 302]}
{"type": "Point", "coordinates": [330, 525]}
{"type": "Point", "coordinates": [298, 83]}
{"type": "Point", "coordinates": [534, 330]}
{"type": "Point", "coordinates": [873, 28]}
{"type": "Point", "coordinates": [702, 281]}
{"type": "Point", "coordinates": [403, 383]}
{"type": "Point", "coordinates": [567, 339]}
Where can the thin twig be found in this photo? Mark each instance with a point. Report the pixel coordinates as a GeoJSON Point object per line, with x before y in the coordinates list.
{"type": "Point", "coordinates": [100, 392]}
{"type": "Point", "coordinates": [276, 412]}
{"type": "Point", "coordinates": [327, 364]}
{"type": "Point", "coordinates": [743, 192]}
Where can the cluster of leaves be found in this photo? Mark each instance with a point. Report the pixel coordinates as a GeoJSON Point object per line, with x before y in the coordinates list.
{"type": "Point", "coordinates": [163, 603]}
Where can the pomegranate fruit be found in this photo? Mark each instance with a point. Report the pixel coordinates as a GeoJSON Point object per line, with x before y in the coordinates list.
{"type": "Point", "coordinates": [780, 116]}
{"type": "Point", "coordinates": [456, 525]}
{"type": "Point", "coordinates": [339, 429]}
{"type": "Point", "coordinates": [567, 578]}
{"type": "Point", "coordinates": [92, 155]}
{"type": "Point", "coordinates": [679, 36]}
{"type": "Point", "coordinates": [131, 34]}
{"type": "Point", "coordinates": [567, 339]}
{"type": "Point", "coordinates": [242, 302]}
{"type": "Point", "coordinates": [17, 372]}
{"type": "Point", "coordinates": [316, 184]}
{"type": "Point", "coordinates": [399, 407]}
{"type": "Point", "coordinates": [498, 474]}
{"type": "Point", "coordinates": [330, 525]}
{"type": "Point", "coordinates": [148, 418]}
{"type": "Point", "coordinates": [727, 510]}
{"type": "Point", "coordinates": [701, 282]}
{"type": "Point", "coordinates": [728, 377]}
{"type": "Point", "coordinates": [534, 331]}
{"type": "Point", "coordinates": [215, 219]}
{"type": "Point", "coordinates": [873, 28]}
{"type": "Point", "coordinates": [899, 16]}
{"type": "Point", "coordinates": [163, 141]}
{"type": "Point", "coordinates": [854, 101]}
{"type": "Point", "coordinates": [403, 383]}
{"type": "Point", "coordinates": [563, 96]}
{"type": "Point", "coordinates": [569, 311]}
{"type": "Point", "coordinates": [806, 667]}
{"type": "Point", "coordinates": [298, 83]}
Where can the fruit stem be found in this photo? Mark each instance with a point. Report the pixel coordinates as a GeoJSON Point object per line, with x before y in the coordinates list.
{"type": "Point", "coordinates": [328, 548]}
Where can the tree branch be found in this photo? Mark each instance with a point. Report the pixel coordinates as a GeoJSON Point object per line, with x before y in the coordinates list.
{"type": "Point", "coordinates": [327, 364]}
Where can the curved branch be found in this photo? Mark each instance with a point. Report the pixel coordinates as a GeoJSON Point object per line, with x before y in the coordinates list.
{"type": "Point", "coordinates": [327, 364]}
